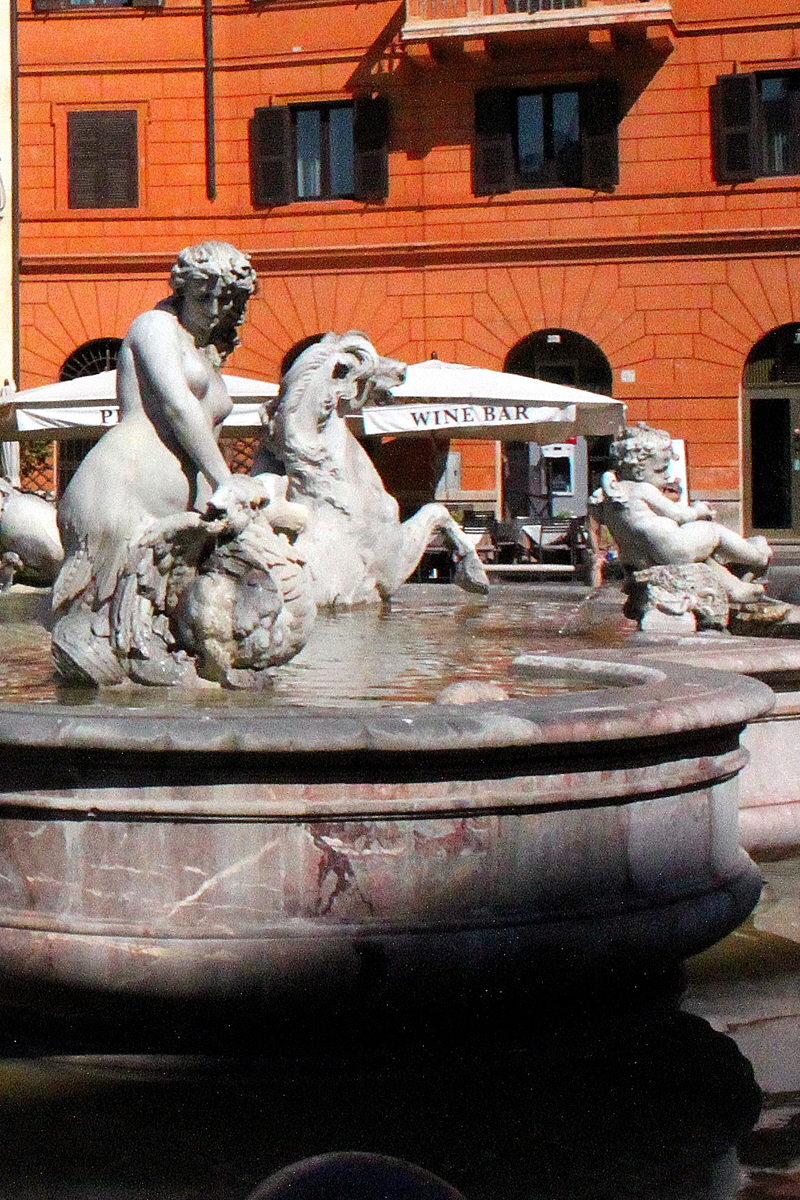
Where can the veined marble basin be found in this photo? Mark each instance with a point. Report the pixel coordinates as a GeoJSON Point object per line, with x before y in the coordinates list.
{"type": "Point", "coordinates": [291, 857]}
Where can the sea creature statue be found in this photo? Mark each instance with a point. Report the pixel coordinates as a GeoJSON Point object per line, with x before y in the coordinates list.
{"type": "Point", "coordinates": [356, 547]}
{"type": "Point", "coordinates": [674, 554]}
{"type": "Point", "coordinates": [29, 533]}
{"type": "Point", "coordinates": [176, 570]}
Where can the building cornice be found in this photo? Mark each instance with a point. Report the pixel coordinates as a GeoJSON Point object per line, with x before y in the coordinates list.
{"type": "Point", "coordinates": [346, 259]}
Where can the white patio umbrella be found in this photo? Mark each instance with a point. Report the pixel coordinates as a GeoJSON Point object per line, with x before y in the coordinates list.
{"type": "Point", "coordinates": [475, 402]}
{"type": "Point", "coordinates": [9, 451]}
{"type": "Point", "coordinates": [90, 402]}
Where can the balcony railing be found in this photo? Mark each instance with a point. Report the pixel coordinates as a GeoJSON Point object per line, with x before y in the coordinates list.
{"type": "Point", "coordinates": [448, 18]}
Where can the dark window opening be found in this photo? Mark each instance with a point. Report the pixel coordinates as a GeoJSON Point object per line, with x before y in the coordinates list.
{"type": "Point", "coordinates": [756, 125]}
{"type": "Point", "coordinates": [771, 448]}
{"type": "Point", "coordinates": [70, 453]}
{"type": "Point", "coordinates": [293, 353]}
{"type": "Point", "coordinates": [780, 101]}
{"type": "Point", "coordinates": [324, 152]}
{"type": "Point", "coordinates": [91, 358]}
{"type": "Point", "coordinates": [546, 137]}
{"type": "Point", "coordinates": [775, 358]}
{"type": "Point", "coordinates": [320, 152]}
{"type": "Point", "coordinates": [103, 159]}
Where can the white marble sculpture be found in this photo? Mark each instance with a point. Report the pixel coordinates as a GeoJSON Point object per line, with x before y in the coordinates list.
{"type": "Point", "coordinates": [653, 532]}
{"type": "Point", "coordinates": [356, 547]}
{"type": "Point", "coordinates": [174, 567]}
{"type": "Point", "coordinates": [29, 540]}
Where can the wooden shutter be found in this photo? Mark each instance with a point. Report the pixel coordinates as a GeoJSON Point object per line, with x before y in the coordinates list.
{"type": "Point", "coordinates": [493, 151]}
{"type": "Point", "coordinates": [794, 125]}
{"type": "Point", "coordinates": [103, 159]}
{"type": "Point", "coordinates": [736, 128]}
{"type": "Point", "coordinates": [371, 148]}
{"type": "Point", "coordinates": [599, 119]}
{"type": "Point", "coordinates": [272, 156]}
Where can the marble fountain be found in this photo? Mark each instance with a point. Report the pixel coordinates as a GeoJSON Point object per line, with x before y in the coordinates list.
{"type": "Point", "coordinates": [302, 854]}
{"type": "Point", "coordinates": [221, 842]}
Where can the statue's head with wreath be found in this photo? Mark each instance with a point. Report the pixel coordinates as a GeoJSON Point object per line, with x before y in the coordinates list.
{"type": "Point", "coordinates": [642, 453]}
{"type": "Point", "coordinates": [220, 268]}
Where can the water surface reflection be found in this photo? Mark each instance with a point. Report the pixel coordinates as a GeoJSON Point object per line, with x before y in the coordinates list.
{"type": "Point", "coordinates": [405, 653]}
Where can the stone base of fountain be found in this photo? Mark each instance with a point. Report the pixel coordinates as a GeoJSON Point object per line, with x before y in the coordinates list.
{"type": "Point", "coordinates": [296, 858]}
{"type": "Point", "coordinates": [769, 787]}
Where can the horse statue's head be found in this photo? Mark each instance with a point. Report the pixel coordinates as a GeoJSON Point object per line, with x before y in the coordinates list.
{"type": "Point", "coordinates": [305, 426]}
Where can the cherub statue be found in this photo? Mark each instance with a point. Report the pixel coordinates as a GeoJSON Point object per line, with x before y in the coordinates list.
{"type": "Point", "coordinates": [175, 567]}
{"type": "Point", "coordinates": [652, 530]}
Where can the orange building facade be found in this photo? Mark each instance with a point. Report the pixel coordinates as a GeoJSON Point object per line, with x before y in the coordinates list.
{"type": "Point", "coordinates": [515, 172]}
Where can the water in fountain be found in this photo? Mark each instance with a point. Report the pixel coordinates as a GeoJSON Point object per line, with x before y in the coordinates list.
{"type": "Point", "coordinates": [405, 652]}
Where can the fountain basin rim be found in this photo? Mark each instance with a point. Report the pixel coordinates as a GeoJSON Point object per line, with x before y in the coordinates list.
{"type": "Point", "coordinates": [662, 699]}
{"type": "Point", "coordinates": [603, 672]}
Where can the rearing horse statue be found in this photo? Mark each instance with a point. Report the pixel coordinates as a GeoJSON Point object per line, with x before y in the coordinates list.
{"type": "Point", "coordinates": [355, 545]}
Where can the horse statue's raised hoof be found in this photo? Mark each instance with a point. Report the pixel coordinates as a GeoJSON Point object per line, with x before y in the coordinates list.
{"type": "Point", "coordinates": [470, 575]}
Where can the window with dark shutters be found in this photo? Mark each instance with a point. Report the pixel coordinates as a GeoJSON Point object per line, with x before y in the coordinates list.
{"type": "Point", "coordinates": [103, 159]}
{"type": "Point", "coordinates": [546, 137]}
{"type": "Point", "coordinates": [272, 158]}
{"type": "Point", "coordinates": [320, 151]}
{"type": "Point", "coordinates": [493, 151]}
{"type": "Point", "coordinates": [599, 121]}
{"type": "Point", "coordinates": [371, 148]}
{"type": "Point", "coordinates": [737, 128]}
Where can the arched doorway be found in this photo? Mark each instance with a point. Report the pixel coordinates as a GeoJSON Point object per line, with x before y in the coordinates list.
{"type": "Point", "coordinates": [562, 356]}
{"type": "Point", "coordinates": [771, 426]}
{"type": "Point", "coordinates": [556, 482]}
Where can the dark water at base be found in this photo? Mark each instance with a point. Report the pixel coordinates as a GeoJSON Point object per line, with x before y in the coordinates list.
{"type": "Point", "coordinates": [650, 1097]}
{"type": "Point", "coordinates": [645, 1098]}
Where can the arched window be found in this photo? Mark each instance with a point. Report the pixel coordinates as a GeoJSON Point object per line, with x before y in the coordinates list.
{"type": "Point", "coordinates": [775, 359]}
{"type": "Point", "coordinates": [91, 358]}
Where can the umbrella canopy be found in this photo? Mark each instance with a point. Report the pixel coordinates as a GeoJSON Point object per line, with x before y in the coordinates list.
{"type": "Point", "coordinates": [464, 402]}
{"type": "Point", "coordinates": [90, 402]}
{"type": "Point", "coordinates": [9, 451]}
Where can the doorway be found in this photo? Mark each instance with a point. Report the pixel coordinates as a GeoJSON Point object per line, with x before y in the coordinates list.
{"type": "Point", "coordinates": [771, 412]}
{"type": "Point", "coordinates": [533, 479]}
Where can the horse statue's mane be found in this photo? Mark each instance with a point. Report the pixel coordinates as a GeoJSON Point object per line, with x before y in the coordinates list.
{"type": "Point", "coordinates": [328, 379]}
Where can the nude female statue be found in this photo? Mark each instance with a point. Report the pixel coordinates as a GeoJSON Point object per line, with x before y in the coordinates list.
{"type": "Point", "coordinates": [161, 462]}
{"type": "Point", "coordinates": [652, 530]}
{"type": "Point", "coordinates": [163, 456]}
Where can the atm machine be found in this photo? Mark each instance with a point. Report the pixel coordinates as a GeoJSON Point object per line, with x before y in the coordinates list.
{"type": "Point", "coordinates": [559, 479]}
